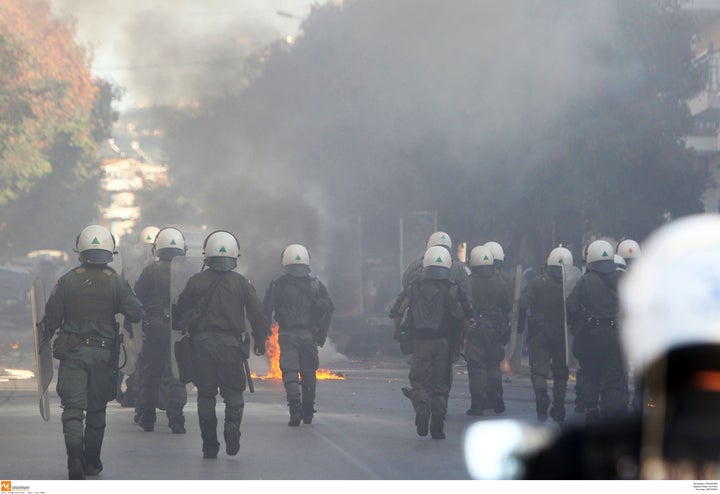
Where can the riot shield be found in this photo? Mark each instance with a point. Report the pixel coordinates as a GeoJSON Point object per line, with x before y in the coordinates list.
{"type": "Point", "coordinates": [134, 259]}
{"type": "Point", "coordinates": [510, 348]}
{"type": "Point", "coordinates": [181, 269]}
{"type": "Point", "coordinates": [43, 349]}
{"type": "Point", "coordinates": [571, 275]}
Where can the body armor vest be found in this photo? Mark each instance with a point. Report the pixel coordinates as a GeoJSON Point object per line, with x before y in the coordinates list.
{"type": "Point", "coordinates": [428, 303]}
{"type": "Point", "coordinates": [294, 302]}
{"type": "Point", "coordinates": [92, 295]}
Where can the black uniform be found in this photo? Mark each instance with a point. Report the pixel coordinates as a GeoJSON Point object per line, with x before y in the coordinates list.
{"type": "Point", "coordinates": [459, 275]}
{"type": "Point", "coordinates": [592, 309]}
{"type": "Point", "coordinates": [302, 309]}
{"type": "Point", "coordinates": [220, 348]}
{"type": "Point", "coordinates": [153, 290]}
{"type": "Point", "coordinates": [484, 350]}
{"type": "Point", "coordinates": [431, 303]}
{"type": "Point", "coordinates": [543, 298]}
{"type": "Point", "coordinates": [83, 306]}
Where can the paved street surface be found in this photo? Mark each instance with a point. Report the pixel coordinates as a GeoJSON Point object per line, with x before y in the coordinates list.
{"type": "Point", "coordinates": [364, 430]}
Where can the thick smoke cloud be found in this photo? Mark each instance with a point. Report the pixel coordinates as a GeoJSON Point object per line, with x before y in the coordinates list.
{"type": "Point", "coordinates": [379, 108]}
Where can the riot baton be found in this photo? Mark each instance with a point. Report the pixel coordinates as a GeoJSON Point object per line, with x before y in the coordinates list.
{"type": "Point", "coordinates": [249, 377]}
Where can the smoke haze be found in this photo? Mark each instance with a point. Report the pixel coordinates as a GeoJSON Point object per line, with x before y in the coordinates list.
{"type": "Point", "coordinates": [377, 109]}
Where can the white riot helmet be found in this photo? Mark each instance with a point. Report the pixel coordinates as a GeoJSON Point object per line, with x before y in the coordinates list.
{"type": "Point", "coordinates": [439, 238]}
{"type": "Point", "coordinates": [671, 297]}
{"type": "Point", "coordinates": [620, 263]}
{"type": "Point", "coordinates": [481, 256]}
{"type": "Point", "coordinates": [296, 260]}
{"type": "Point", "coordinates": [221, 251]}
{"type": "Point", "coordinates": [147, 235]}
{"type": "Point", "coordinates": [437, 262]}
{"type": "Point", "coordinates": [600, 256]}
{"type": "Point", "coordinates": [497, 252]}
{"type": "Point", "coordinates": [169, 242]}
{"type": "Point", "coordinates": [95, 245]}
{"type": "Point", "coordinates": [629, 250]}
{"type": "Point", "coordinates": [560, 256]}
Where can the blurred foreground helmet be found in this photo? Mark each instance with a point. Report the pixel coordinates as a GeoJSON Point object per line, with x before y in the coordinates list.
{"type": "Point", "coordinates": [600, 257]}
{"type": "Point", "coordinates": [147, 234]}
{"type": "Point", "coordinates": [439, 238]}
{"type": "Point", "coordinates": [221, 250]}
{"type": "Point", "coordinates": [296, 260]}
{"type": "Point", "coordinates": [95, 245]}
{"type": "Point", "coordinates": [497, 251]}
{"type": "Point", "coordinates": [628, 249]}
{"type": "Point", "coordinates": [437, 262]}
{"type": "Point", "coordinates": [560, 256]}
{"type": "Point", "coordinates": [670, 299]}
{"type": "Point", "coordinates": [169, 242]}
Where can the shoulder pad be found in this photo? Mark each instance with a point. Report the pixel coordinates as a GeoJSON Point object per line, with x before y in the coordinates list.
{"type": "Point", "coordinates": [80, 269]}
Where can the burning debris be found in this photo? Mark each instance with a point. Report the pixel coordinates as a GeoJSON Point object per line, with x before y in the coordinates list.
{"type": "Point", "coordinates": [273, 354]}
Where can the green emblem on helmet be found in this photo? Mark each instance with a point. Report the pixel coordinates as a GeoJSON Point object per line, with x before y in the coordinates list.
{"type": "Point", "coordinates": [95, 241]}
{"type": "Point", "coordinates": [172, 242]}
{"type": "Point", "coordinates": [222, 249]}
{"type": "Point", "coordinates": [439, 260]}
{"type": "Point", "coordinates": [298, 258]}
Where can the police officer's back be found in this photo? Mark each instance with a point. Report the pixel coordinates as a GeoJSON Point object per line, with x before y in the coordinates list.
{"type": "Point", "coordinates": [220, 343]}
{"type": "Point", "coordinates": [83, 306]}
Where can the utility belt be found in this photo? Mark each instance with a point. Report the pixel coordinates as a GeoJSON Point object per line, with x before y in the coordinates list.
{"type": "Point", "coordinates": [67, 343]}
{"type": "Point", "coordinates": [601, 321]}
{"type": "Point", "coordinates": [95, 342]}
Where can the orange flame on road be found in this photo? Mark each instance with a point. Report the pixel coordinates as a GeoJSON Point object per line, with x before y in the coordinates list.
{"type": "Point", "coordinates": [272, 351]}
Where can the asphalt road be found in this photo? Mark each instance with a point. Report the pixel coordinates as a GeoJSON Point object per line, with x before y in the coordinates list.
{"type": "Point", "coordinates": [363, 430]}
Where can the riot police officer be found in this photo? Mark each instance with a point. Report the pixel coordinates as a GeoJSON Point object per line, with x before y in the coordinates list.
{"type": "Point", "coordinates": [544, 299]}
{"type": "Point", "coordinates": [669, 302]}
{"type": "Point", "coordinates": [302, 308]}
{"type": "Point", "coordinates": [83, 306]}
{"type": "Point", "coordinates": [484, 348]}
{"type": "Point", "coordinates": [431, 300]}
{"type": "Point", "coordinates": [592, 310]}
{"type": "Point", "coordinates": [153, 290]}
{"type": "Point", "coordinates": [220, 342]}
{"type": "Point", "coordinates": [459, 275]}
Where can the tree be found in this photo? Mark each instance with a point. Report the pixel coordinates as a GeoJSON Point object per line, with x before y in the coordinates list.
{"type": "Point", "coordinates": [53, 116]}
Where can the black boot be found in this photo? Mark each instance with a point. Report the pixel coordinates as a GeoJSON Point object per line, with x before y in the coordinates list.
{"type": "Point", "coordinates": [422, 419]}
{"type": "Point", "coordinates": [436, 428]}
{"type": "Point", "coordinates": [93, 464]}
{"type": "Point", "coordinates": [176, 422]}
{"type": "Point", "coordinates": [308, 411]}
{"type": "Point", "coordinates": [476, 406]}
{"type": "Point", "coordinates": [147, 420]}
{"type": "Point", "coordinates": [541, 407]}
{"type": "Point", "coordinates": [295, 414]}
{"type": "Point", "coordinates": [557, 412]}
{"type": "Point", "coordinates": [208, 432]}
{"type": "Point", "coordinates": [232, 438]}
{"type": "Point", "coordinates": [76, 467]}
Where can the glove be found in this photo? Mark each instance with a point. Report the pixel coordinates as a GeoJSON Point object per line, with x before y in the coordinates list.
{"type": "Point", "coordinates": [259, 349]}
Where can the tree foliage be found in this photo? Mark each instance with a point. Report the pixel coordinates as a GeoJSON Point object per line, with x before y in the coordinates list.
{"type": "Point", "coordinates": [52, 117]}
